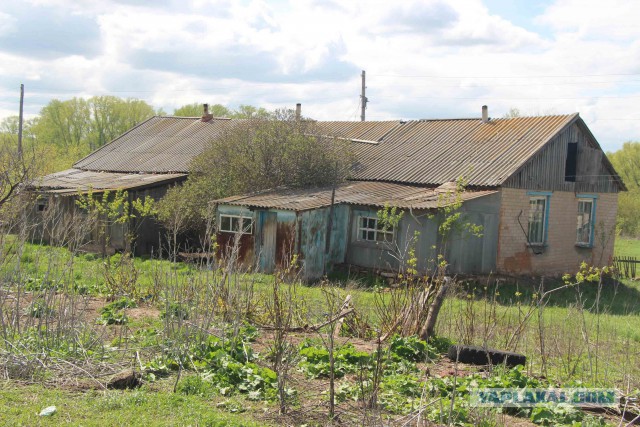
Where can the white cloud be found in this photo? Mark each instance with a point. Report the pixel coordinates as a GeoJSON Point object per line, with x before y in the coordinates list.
{"type": "Point", "coordinates": [423, 58]}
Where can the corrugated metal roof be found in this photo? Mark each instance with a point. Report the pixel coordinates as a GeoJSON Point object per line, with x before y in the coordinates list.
{"type": "Point", "coordinates": [366, 131]}
{"type": "Point", "coordinates": [72, 181]}
{"type": "Point", "coordinates": [157, 145]}
{"type": "Point", "coordinates": [426, 152]}
{"type": "Point", "coordinates": [377, 194]}
{"type": "Point", "coordinates": [431, 152]}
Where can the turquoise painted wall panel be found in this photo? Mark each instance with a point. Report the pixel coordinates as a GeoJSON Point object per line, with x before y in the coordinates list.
{"type": "Point", "coordinates": [313, 237]}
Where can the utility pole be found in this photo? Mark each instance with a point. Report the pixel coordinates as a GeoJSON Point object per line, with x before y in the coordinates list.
{"type": "Point", "coordinates": [20, 122]}
{"type": "Point", "coordinates": [363, 98]}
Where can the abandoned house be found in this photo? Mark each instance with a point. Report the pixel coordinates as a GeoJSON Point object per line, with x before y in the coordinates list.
{"type": "Point", "coordinates": [541, 188]}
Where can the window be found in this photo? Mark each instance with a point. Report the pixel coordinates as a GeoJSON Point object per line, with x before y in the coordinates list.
{"type": "Point", "coordinates": [42, 204]}
{"type": "Point", "coordinates": [371, 230]}
{"type": "Point", "coordinates": [538, 220]}
{"type": "Point", "coordinates": [571, 165]}
{"type": "Point", "coordinates": [584, 232]}
{"type": "Point", "coordinates": [236, 223]}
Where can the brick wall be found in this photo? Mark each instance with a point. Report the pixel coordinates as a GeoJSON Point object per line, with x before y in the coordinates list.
{"type": "Point", "coordinates": [560, 255]}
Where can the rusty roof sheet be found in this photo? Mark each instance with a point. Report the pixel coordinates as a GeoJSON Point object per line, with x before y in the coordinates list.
{"type": "Point", "coordinates": [157, 145]}
{"type": "Point", "coordinates": [377, 194]}
{"type": "Point", "coordinates": [72, 181]}
{"type": "Point", "coordinates": [431, 152]}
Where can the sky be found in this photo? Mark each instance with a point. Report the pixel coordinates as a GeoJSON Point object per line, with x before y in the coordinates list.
{"type": "Point", "coordinates": [423, 59]}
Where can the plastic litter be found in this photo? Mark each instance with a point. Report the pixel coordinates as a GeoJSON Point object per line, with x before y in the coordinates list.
{"type": "Point", "coordinates": [48, 411]}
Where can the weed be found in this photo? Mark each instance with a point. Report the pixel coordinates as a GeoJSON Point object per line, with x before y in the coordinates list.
{"type": "Point", "coordinates": [113, 313]}
{"type": "Point", "coordinates": [412, 349]}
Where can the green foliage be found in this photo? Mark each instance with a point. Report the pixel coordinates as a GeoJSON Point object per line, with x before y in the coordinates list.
{"type": "Point", "coordinates": [194, 385]}
{"type": "Point", "coordinates": [626, 162]}
{"type": "Point", "coordinates": [389, 217]}
{"type": "Point", "coordinates": [411, 348]}
{"type": "Point", "coordinates": [35, 284]}
{"type": "Point", "coordinates": [114, 314]}
{"type": "Point", "coordinates": [551, 414]}
{"type": "Point", "coordinates": [88, 123]}
{"type": "Point", "coordinates": [40, 309]}
{"type": "Point", "coordinates": [315, 360]}
{"type": "Point", "coordinates": [226, 365]}
{"type": "Point", "coordinates": [263, 152]}
{"type": "Point", "coordinates": [452, 219]}
{"type": "Point", "coordinates": [441, 344]}
{"type": "Point", "coordinates": [174, 310]}
{"type": "Point", "coordinates": [218, 110]}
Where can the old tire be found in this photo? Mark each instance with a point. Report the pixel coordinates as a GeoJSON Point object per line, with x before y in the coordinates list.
{"type": "Point", "coordinates": [485, 356]}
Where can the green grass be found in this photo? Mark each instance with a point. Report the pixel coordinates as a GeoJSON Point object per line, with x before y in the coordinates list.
{"type": "Point", "coordinates": [22, 404]}
{"type": "Point", "coordinates": [566, 326]}
{"type": "Point", "coordinates": [627, 247]}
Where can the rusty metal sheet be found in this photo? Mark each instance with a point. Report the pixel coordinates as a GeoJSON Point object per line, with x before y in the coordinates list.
{"type": "Point", "coordinates": [377, 194]}
{"type": "Point", "coordinates": [72, 181]}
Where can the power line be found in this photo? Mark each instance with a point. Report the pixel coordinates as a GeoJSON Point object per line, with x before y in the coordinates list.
{"type": "Point", "coordinates": [503, 77]}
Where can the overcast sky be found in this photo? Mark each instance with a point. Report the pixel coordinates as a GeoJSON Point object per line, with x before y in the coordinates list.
{"type": "Point", "coordinates": [424, 59]}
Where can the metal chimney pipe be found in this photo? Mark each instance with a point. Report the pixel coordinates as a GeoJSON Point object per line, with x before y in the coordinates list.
{"type": "Point", "coordinates": [206, 109]}
{"type": "Point", "coordinates": [298, 111]}
{"type": "Point", "coordinates": [485, 114]}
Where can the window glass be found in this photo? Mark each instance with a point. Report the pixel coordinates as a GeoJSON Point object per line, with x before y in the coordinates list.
{"type": "Point", "coordinates": [234, 224]}
{"type": "Point", "coordinates": [585, 222]}
{"type": "Point", "coordinates": [537, 220]}
{"type": "Point", "coordinates": [370, 229]}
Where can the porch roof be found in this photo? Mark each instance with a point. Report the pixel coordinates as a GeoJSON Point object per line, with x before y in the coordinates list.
{"type": "Point", "coordinates": [73, 181]}
{"type": "Point", "coordinates": [365, 193]}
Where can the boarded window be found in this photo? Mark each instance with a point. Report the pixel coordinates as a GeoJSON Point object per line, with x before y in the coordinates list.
{"type": "Point", "coordinates": [571, 166]}
{"type": "Point", "coordinates": [370, 229]}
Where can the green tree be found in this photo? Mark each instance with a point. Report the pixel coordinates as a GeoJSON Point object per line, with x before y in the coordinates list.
{"type": "Point", "coordinates": [195, 110]}
{"type": "Point", "coordinates": [80, 125]}
{"type": "Point", "coordinates": [265, 151]}
{"type": "Point", "coordinates": [626, 161]}
{"type": "Point", "coordinates": [112, 116]}
{"type": "Point", "coordinates": [218, 110]}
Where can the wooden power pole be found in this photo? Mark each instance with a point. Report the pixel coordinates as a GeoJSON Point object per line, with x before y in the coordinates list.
{"type": "Point", "coordinates": [20, 118]}
{"type": "Point", "coordinates": [363, 98]}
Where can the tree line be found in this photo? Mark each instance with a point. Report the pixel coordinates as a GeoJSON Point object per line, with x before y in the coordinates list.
{"type": "Point", "coordinates": [65, 131]}
{"type": "Point", "coordinates": [626, 161]}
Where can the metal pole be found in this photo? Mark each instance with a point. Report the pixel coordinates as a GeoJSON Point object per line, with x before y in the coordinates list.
{"type": "Point", "coordinates": [20, 118]}
{"type": "Point", "coordinates": [363, 98]}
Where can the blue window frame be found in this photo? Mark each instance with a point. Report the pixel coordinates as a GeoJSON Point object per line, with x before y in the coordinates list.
{"type": "Point", "coordinates": [586, 220]}
{"type": "Point", "coordinates": [538, 228]}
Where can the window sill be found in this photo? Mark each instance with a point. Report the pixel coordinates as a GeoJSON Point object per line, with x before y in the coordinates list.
{"type": "Point", "coordinates": [584, 245]}
{"type": "Point", "coordinates": [536, 245]}
{"type": "Point", "coordinates": [371, 244]}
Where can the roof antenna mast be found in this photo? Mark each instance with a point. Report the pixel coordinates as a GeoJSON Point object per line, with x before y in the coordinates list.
{"type": "Point", "coordinates": [363, 98]}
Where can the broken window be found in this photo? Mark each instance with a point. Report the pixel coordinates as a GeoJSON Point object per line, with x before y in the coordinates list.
{"type": "Point", "coordinates": [538, 220]}
{"type": "Point", "coordinates": [571, 165]}
{"type": "Point", "coordinates": [370, 229]}
{"type": "Point", "coordinates": [236, 224]}
{"type": "Point", "coordinates": [584, 233]}
{"type": "Point", "coordinates": [42, 204]}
